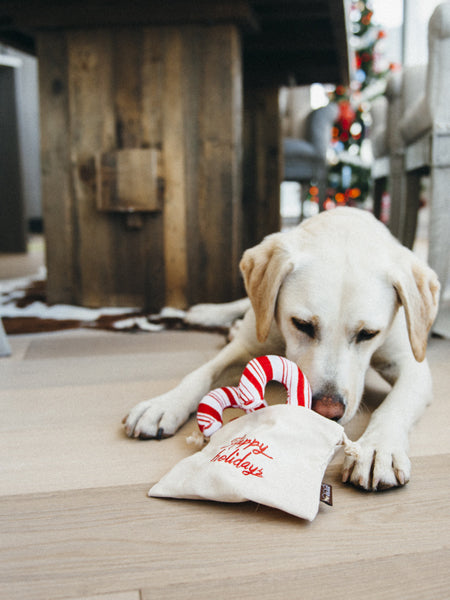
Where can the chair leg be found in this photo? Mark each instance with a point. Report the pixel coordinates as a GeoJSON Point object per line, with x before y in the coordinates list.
{"type": "Point", "coordinates": [411, 209]}
{"type": "Point", "coordinates": [5, 349]}
{"type": "Point", "coordinates": [397, 188]}
{"type": "Point", "coordinates": [379, 186]}
{"type": "Point", "coordinates": [322, 185]}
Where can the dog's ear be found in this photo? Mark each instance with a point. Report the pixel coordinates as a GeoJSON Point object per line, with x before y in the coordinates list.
{"type": "Point", "coordinates": [417, 288]}
{"type": "Point", "coordinates": [264, 268]}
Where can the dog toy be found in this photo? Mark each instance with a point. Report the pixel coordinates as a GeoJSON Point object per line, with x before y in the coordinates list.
{"type": "Point", "coordinates": [249, 395]}
{"type": "Point", "coordinates": [210, 409]}
{"type": "Point", "coordinates": [276, 456]}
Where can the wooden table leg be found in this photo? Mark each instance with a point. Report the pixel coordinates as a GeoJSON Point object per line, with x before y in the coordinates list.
{"type": "Point", "coordinates": [263, 164]}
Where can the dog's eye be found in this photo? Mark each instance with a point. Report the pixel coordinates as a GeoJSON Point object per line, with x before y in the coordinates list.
{"type": "Point", "coordinates": [305, 327]}
{"type": "Point", "coordinates": [365, 335]}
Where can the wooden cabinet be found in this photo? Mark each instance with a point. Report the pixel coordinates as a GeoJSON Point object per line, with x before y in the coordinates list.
{"type": "Point", "coordinates": [161, 154]}
{"type": "Point", "coordinates": [141, 151]}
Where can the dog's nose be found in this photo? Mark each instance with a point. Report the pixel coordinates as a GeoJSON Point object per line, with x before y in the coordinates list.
{"type": "Point", "coordinates": [329, 406]}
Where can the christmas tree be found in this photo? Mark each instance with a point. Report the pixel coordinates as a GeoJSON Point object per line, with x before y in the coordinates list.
{"type": "Point", "coordinates": [349, 175]}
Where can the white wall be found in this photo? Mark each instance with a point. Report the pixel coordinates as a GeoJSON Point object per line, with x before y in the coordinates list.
{"type": "Point", "coordinates": [417, 15]}
{"type": "Point", "coordinates": [389, 15]}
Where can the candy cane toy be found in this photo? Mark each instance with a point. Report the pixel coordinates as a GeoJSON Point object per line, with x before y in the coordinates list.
{"type": "Point", "coordinates": [210, 409]}
{"type": "Point", "coordinates": [260, 371]}
{"type": "Point", "coordinates": [249, 396]}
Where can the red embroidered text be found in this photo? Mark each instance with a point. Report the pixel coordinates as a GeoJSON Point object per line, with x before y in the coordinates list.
{"type": "Point", "coordinates": [239, 452]}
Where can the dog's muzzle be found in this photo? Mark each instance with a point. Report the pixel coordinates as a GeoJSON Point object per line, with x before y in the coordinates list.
{"type": "Point", "coordinates": [330, 406]}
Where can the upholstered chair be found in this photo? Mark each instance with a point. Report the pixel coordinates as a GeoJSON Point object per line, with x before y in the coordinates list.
{"type": "Point", "coordinates": [425, 130]}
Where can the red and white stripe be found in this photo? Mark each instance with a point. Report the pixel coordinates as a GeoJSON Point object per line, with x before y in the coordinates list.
{"type": "Point", "coordinates": [249, 396]}
{"type": "Point", "coordinates": [210, 409]}
{"type": "Point", "coordinates": [260, 371]}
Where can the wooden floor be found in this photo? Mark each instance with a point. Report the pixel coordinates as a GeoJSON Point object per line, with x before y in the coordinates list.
{"type": "Point", "coordinates": [76, 521]}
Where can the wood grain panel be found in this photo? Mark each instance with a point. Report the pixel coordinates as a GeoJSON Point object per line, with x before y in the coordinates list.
{"type": "Point", "coordinates": [96, 259]}
{"type": "Point", "coordinates": [57, 197]}
{"type": "Point", "coordinates": [128, 57]}
{"type": "Point", "coordinates": [137, 254]}
{"type": "Point", "coordinates": [219, 201]}
{"type": "Point", "coordinates": [129, 180]}
{"type": "Point", "coordinates": [92, 130]}
{"type": "Point", "coordinates": [201, 125]}
{"type": "Point", "coordinates": [215, 155]}
{"type": "Point", "coordinates": [170, 92]}
{"type": "Point", "coordinates": [175, 234]}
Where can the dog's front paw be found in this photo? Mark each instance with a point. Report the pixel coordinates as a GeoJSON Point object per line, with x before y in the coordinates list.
{"type": "Point", "coordinates": [155, 418]}
{"type": "Point", "coordinates": [379, 466]}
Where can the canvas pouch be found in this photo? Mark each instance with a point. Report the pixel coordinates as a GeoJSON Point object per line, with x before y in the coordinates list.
{"type": "Point", "coordinates": [276, 456]}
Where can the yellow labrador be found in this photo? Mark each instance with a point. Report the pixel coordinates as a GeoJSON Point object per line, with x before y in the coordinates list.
{"type": "Point", "coordinates": [336, 295]}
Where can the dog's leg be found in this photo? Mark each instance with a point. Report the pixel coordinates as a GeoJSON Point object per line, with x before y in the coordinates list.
{"type": "Point", "coordinates": [217, 315]}
{"type": "Point", "coordinates": [162, 416]}
{"type": "Point", "coordinates": [383, 462]}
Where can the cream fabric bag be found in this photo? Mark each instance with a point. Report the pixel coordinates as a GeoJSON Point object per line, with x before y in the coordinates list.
{"type": "Point", "coordinates": [275, 456]}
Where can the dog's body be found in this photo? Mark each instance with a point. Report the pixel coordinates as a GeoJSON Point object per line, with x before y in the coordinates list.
{"type": "Point", "coordinates": [335, 295]}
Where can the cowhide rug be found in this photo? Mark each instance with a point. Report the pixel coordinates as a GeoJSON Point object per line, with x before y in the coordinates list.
{"type": "Point", "coordinates": [24, 309]}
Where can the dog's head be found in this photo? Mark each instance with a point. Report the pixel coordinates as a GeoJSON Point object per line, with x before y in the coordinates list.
{"type": "Point", "coordinates": [335, 287]}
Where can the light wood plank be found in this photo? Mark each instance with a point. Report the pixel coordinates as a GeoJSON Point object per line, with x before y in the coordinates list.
{"type": "Point", "coordinates": [132, 595]}
{"type": "Point", "coordinates": [113, 539]}
{"type": "Point", "coordinates": [62, 397]}
{"type": "Point", "coordinates": [413, 576]}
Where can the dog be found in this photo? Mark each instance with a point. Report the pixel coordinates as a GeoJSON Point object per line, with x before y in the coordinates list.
{"type": "Point", "coordinates": [336, 295]}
